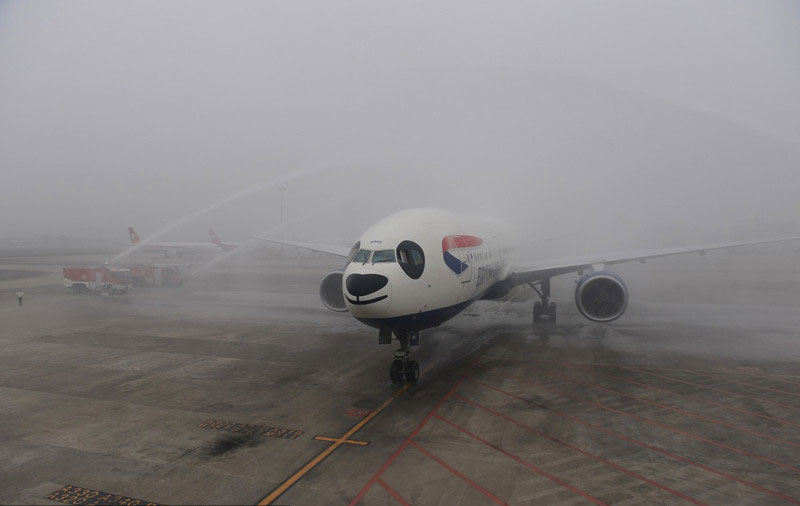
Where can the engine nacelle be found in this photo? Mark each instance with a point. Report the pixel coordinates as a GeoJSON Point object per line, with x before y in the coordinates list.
{"type": "Point", "coordinates": [330, 291]}
{"type": "Point", "coordinates": [601, 296]}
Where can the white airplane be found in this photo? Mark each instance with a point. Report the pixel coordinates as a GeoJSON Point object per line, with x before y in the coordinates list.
{"type": "Point", "coordinates": [418, 268]}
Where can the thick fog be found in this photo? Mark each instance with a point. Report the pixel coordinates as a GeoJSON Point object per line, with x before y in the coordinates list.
{"type": "Point", "coordinates": [639, 124]}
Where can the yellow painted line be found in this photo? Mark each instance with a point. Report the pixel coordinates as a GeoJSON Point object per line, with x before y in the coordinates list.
{"type": "Point", "coordinates": [335, 439]}
{"type": "Point", "coordinates": [283, 487]}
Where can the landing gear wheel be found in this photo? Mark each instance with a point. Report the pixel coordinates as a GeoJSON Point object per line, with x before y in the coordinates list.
{"type": "Point", "coordinates": [396, 371]}
{"type": "Point", "coordinates": [543, 308]}
{"type": "Point", "coordinates": [412, 371]}
{"type": "Point", "coordinates": [537, 312]}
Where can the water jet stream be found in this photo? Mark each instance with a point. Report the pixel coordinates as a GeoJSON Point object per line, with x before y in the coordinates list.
{"type": "Point", "coordinates": [216, 205]}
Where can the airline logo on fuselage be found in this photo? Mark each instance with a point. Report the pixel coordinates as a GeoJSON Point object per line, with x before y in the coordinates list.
{"type": "Point", "coordinates": [451, 244]}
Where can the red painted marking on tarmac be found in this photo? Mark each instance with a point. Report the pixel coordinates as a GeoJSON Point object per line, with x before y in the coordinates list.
{"type": "Point", "coordinates": [641, 444]}
{"type": "Point", "coordinates": [651, 422]}
{"type": "Point", "coordinates": [688, 396]}
{"type": "Point", "coordinates": [521, 461]}
{"type": "Point", "coordinates": [578, 450]}
{"type": "Point", "coordinates": [403, 446]}
{"type": "Point", "coordinates": [759, 387]}
{"type": "Point", "coordinates": [745, 371]}
{"type": "Point", "coordinates": [740, 371]}
{"type": "Point", "coordinates": [706, 387]}
{"type": "Point", "coordinates": [706, 401]}
{"type": "Point", "coordinates": [358, 412]}
{"type": "Point", "coordinates": [763, 376]}
{"type": "Point", "coordinates": [397, 497]}
{"type": "Point", "coordinates": [665, 406]}
{"type": "Point", "coordinates": [646, 385]}
{"type": "Point", "coordinates": [459, 474]}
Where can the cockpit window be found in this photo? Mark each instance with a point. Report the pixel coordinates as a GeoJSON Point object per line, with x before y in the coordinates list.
{"type": "Point", "coordinates": [362, 256]}
{"type": "Point", "coordinates": [353, 251]}
{"type": "Point", "coordinates": [411, 259]}
{"type": "Point", "coordinates": [382, 256]}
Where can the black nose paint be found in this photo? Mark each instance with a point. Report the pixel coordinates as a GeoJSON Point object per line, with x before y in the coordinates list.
{"type": "Point", "coordinates": [365, 284]}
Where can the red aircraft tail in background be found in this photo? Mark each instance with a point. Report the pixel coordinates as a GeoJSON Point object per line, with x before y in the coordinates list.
{"type": "Point", "coordinates": [214, 237]}
{"type": "Point", "coordinates": [224, 246]}
{"type": "Point", "coordinates": [133, 236]}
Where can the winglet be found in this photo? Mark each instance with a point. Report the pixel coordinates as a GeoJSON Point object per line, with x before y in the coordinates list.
{"type": "Point", "coordinates": [133, 236]}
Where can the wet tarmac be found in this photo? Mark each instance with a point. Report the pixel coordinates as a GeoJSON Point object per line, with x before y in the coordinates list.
{"type": "Point", "coordinates": [240, 388]}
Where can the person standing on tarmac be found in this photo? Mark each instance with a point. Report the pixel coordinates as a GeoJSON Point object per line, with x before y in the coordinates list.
{"type": "Point", "coordinates": [20, 295]}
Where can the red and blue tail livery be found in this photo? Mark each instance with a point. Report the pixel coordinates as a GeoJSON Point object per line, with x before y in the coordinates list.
{"type": "Point", "coordinates": [454, 258]}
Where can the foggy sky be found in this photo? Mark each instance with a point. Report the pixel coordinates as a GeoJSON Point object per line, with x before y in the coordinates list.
{"type": "Point", "coordinates": [641, 118]}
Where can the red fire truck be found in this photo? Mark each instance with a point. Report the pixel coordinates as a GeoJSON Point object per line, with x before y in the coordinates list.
{"type": "Point", "coordinates": [97, 279]}
{"type": "Point", "coordinates": [156, 275]}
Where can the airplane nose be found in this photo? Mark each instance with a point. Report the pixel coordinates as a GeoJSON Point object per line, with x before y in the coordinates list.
{"type": "Point", "coordinates": [365, 284]}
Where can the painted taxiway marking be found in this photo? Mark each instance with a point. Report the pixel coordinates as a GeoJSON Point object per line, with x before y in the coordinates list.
{"type": "Point", "coordinates": [336, 443]}
{"type": "Point", "coordinates": [340, 440]}
{"type": "Point", "coordinates": [649, 421]}
{"type": "Point", "coordinates": [641, 444]}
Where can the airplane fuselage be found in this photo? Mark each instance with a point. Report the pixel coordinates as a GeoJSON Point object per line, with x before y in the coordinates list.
{"type": "Point", "coordinates": [418, 268]}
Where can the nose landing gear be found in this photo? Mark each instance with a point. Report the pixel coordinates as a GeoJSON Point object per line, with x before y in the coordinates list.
{"type": "Point", "coordinates": [402, 368]}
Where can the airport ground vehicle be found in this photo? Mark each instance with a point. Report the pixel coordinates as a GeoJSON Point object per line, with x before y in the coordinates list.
{"type": "Point", "coordinates": [156, 275]}
{"type": "Point", "coordinates": [112, 280]}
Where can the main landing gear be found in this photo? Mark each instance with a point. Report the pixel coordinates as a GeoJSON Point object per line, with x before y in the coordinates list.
{"type": "Point", "coordinates": [544, 309]}
{"type": "Point", "coordinates": [402, 368]}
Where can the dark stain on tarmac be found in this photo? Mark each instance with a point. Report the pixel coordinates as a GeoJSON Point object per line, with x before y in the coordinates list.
{"type": "Point", "coordinates": [228, 444]}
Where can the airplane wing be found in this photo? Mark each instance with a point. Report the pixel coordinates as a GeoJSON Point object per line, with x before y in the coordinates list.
{"type": "Point", "coordinates": [545, 270]}
{"type": "Point", "coordinates": [338, 251]}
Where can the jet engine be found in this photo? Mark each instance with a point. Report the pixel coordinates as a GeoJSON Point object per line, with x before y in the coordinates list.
{"type": "Point", "coordinates": [330, 291]}
{"type": "Point", "coordinates": [601, 296]}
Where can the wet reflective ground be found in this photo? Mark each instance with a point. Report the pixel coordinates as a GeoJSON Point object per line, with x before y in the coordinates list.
{"type": "Point", "coordinates": [232, 388]}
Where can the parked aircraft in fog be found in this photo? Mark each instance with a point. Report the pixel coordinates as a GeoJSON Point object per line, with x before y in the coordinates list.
{"type": "Point", "coordinates": [179, 248]}
{"type": "Point", "coordinates": [418, 268]}
{"type": "Point", "coordinates": [224, 246]}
